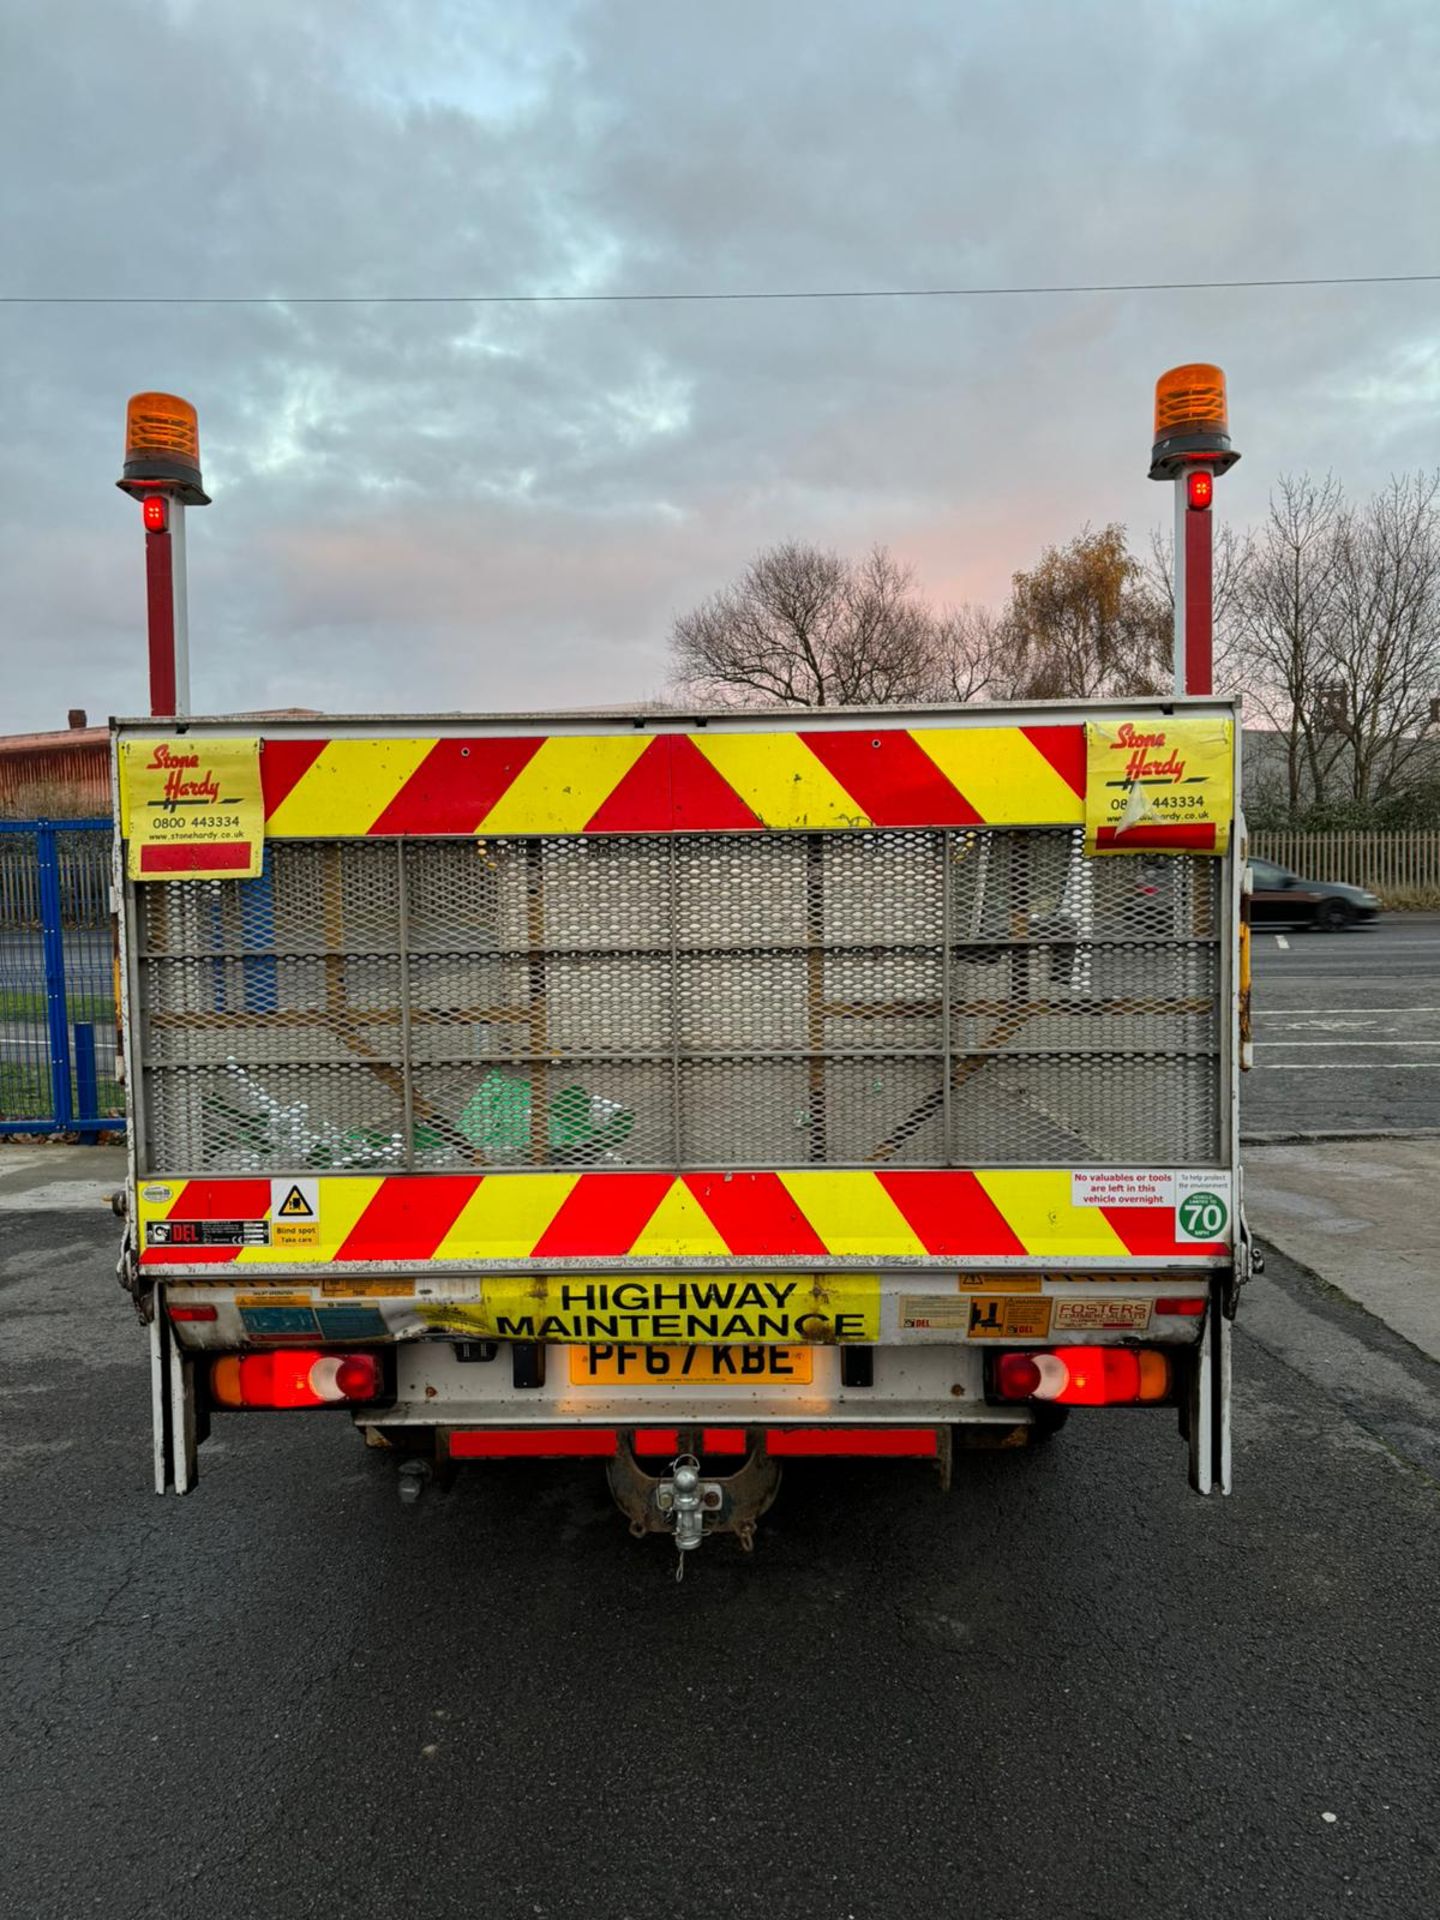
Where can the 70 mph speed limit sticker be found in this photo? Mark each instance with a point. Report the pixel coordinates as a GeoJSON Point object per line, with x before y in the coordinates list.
{"type": "Point", "coordinates": [1201, 1202]}
{"type": "Point", "coordinates": [1202, 1206]}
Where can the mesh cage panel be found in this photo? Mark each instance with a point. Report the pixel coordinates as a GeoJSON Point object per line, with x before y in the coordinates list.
{"type": "Point", "coordinates": [904, 998]}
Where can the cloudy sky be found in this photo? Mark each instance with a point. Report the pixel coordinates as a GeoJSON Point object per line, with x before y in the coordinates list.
{"type": "Point", "coordinates": [472, 506]}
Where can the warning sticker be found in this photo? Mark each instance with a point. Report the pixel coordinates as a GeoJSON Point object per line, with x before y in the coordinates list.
{"type": "Point", "coordinates": [1122, 1188]}
{"type": "Point", "coordinates": [1159, 784]}
{"type": "Point", "coordinates": [1202, 1206]}
{"type": "Point", "coordinates": [207, 1233]}
{"type": "Point", "coordinates": [998, 1318]}
{"type": "Point", "coordinates": [934, 1313]}
{"type": "Point", "coordinates": [1102, 1316]}
{"type": "Point", "coordinates": [668, 1309]}
{"type": "Point", "coordinates": [191, 808]}
{"type": "Point", "coordinates": [295, 1213]}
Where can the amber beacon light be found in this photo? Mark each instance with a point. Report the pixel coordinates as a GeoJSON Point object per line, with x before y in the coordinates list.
{"type": "Point", "coordinates": [162, 472]}
{"type": "Point", "coordinates": [1192, 422]}
{"type": "Point", "coordinates": [162, 447]}
{"type": "Point", "coordinates": [1191, 448]}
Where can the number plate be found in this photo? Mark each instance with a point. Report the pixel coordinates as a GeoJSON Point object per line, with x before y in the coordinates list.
{"type": "Point", "coordinates": [633, 1366]}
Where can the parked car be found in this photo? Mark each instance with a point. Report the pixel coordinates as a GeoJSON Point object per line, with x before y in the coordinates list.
{"type": "Point", "coordinates": [1283, 899]}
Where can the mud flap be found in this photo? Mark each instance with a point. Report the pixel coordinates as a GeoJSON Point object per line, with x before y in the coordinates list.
{"type": "Point", "coordinates": [177, 1423]}
{"type": "Point", "coordinates": [1209, 1422]}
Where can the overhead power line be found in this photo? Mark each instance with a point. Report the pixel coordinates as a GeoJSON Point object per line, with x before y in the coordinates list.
{"type": "Point", "coordinates": [744, 294]}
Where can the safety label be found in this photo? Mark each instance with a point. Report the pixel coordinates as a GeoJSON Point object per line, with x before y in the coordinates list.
{"type": "Point", "coordinates": [191, 808]}
{"type": "Point", "coordinates": [1159, 784]}
{"type": "Point", "coordinates": [295, 1213]}
{"type": "Point", "coordinates": [207, 1233]}
{"type": "Point", "coordinates": [793, 1308]}
{"type": "Point", "coordinates": [999, 1318]}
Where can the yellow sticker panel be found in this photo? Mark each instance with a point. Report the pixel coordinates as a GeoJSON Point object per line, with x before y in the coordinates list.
{"type": "Point", "coordinates": [191, 808]}
{"type": "Point", "coordinates": [662, 1309]}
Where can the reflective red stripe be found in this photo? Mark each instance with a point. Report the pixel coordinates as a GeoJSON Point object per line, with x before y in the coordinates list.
{"type": "Point", "coordinates": [283, 763]}
{"type": "Point", "coordinates": [700, 800]}
{"type": "Point", "coordinates": [664, 1440]}
{"type": "Point", "coordinates": [754, 1214]}
{"type": "Point", "coordinates": [892, 778]}
{"type": "Point", "coordinates": [407, 1219]}
{"type": "Point", "coordinates": [896, 1443]}
{"type": "Point", "coordinates": [604, 1213]}
{"type": "Point", "coordinates": [456, 785]}
{"type": "Point", "coordinates": [533, 1443]}
{"type": "Point", "coordinates": [951, 1213]}
{"type": "Point", "coordinates": [1064, 748]}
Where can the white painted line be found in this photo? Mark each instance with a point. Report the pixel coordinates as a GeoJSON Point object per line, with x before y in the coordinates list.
{"type": "Point", "coordinates": [1288, 1046]}
{"type": "Point", "coordinates": [1351, 1066]}
{"type": "Point", "coordinates": [1292, 1013]}
{"type": "Point", "coordinates": [1282, 943]}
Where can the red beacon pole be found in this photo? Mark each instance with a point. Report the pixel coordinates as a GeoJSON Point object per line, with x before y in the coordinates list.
{"type": "Point", "coordinates": [162, 472]}
{"type": "Point", "coordinates": [1192, 449]}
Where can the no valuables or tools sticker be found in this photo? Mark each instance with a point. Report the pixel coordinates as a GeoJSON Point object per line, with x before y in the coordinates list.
{"type": "Point", "coordinates": [1200, 1202]}
{"type": "Point", "coordinates": [191, 808]}
{"type": "Point", "coordinates": [1159, 784]}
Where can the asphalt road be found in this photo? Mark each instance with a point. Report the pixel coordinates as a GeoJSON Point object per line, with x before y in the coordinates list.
{"type": "Point", "coordinates": [1072, 1688]}
{"type": "Point", "coordinates": [1347, 1029]}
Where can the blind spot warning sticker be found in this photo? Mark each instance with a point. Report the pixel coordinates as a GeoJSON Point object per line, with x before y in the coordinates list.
{"type": "Point", "coordinates": [295, 1213]}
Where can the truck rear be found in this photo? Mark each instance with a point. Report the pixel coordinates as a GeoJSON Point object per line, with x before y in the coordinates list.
{"type": "Point", "coordinates": [685, 1094]}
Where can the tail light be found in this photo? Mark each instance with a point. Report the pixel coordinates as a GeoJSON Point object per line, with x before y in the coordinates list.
{"type": "Point", "coordinates": [1083, 1376]}
{"type": "Point", "coordinates": [296, 1377]}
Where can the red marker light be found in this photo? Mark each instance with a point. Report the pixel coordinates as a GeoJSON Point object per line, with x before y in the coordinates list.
{"type": "Point", "coordinates": [1201, 491]}
{"type": "Point", "coordinates": [157, 513]}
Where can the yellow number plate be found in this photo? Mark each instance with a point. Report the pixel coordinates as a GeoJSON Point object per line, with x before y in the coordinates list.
{"type": "Point", "coordinates": [633, 1366]}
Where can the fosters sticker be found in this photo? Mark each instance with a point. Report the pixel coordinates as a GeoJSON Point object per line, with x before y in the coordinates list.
{"type": "Point", "coordinates": [1159, 784]}
{"type": "Point", "coordinates": [191, 808]}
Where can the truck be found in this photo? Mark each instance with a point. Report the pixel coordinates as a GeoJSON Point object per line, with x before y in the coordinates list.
{"type": "Point", "coordinates": [686, 1094]}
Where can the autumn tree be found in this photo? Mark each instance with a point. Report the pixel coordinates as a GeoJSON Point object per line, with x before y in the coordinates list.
{"type": "Point", "coordinates": [1085, 622]}
{"type": "Point", "coordinates": [803, 627]}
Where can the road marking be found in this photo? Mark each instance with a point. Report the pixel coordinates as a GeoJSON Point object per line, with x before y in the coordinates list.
{"type": "Point", "coordinates": [1282, 943]}
{"type": "Point", "coordinates": [1288, 1045]}
{"type": "Point", "coordinates": [1290, 1013]}
{"type": "Point", "coordinates": [1350, 1066]}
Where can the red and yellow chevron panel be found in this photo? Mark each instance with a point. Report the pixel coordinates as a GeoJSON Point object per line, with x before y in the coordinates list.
{"type": "Point", "coordinates": [709, 780]}
{"type": "Point", "coordinates": [497, 1220]}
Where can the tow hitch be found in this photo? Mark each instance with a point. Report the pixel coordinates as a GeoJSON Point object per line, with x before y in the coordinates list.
{"type": "Point", "coordinates": [690, 1505]}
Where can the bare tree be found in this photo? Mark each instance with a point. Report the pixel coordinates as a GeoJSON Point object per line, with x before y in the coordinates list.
{"type": "Point", "coordinates": [1382, 642]}
{"type": "Point", "coordinates": [1085, 622]}
{"type": "Point", "coordinates": [970, 656]}
{"type": "Point", "coordinates": [805, 628]}
{"type": "Point", "coordinates": [1285, 609]}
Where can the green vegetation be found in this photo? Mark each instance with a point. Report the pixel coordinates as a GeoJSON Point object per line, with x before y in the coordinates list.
{"type": "Point", "coordinates": [25, 1092]}
{"type": "Point", "coordinates": [28, 1003]}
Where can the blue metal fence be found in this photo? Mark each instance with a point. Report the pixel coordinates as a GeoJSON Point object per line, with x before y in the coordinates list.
{"type": "Point", "coordinates": [58, 1037]}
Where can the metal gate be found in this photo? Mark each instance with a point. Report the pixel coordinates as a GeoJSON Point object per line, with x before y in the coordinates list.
{"type": "Point", "coordinates": [58, 1040]}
